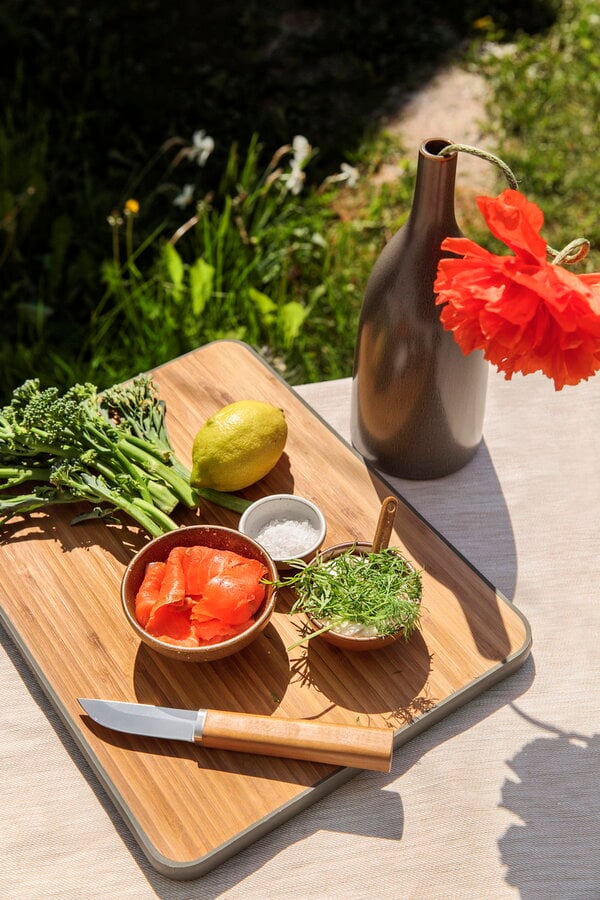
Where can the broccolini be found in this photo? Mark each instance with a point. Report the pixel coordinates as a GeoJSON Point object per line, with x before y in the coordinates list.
{"type": "Point", "coordinates": [111, 449]}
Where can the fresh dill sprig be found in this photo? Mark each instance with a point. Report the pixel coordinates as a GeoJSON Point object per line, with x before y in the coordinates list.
{"type": "Point", "coordinates": [380, 590]}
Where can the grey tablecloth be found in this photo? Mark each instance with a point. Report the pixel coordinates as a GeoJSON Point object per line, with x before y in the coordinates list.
{"type": "Point", "coordinates": [499, 800]}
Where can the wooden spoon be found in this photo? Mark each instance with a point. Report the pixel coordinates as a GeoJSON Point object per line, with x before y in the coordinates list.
{"type": "Point", "coordinates": [385, 523]}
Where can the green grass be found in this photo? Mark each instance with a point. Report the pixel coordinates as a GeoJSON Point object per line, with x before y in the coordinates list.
{"type": "Point", "coordinates": [250, 261]}
{"type": "Point", "coordinates": [92, 292]}
{"type": "Point", "coordinates": [544, 116]}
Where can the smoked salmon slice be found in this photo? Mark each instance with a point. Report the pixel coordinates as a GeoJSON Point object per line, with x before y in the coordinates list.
{"type": "Point", "coordinates": [195, 567]}
{"type": "Point", "coordinates": [172, 624]}
{"type": "Point", "coordinates": [200, 595]}
{"type": "Point", "coordinates": [149, 592]}
{"type": "Point", "coordinates": [172, 588]}
{"type": "Point", "coordinates": [231, 597]}
{"type": "Point", "coordinates": [213, 631]}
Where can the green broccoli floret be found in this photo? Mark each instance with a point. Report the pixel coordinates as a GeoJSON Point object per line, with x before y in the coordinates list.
{"type": "Point", "coordinates": [137, 407]}
{"type": "Point", "coordinates": [111, 448]}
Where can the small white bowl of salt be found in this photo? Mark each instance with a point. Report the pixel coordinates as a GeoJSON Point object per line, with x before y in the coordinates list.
{"type": "Point", "coordinates": [287, 526]}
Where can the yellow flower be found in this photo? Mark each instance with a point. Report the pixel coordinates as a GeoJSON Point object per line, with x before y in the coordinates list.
{"type": "Point", "coordinates": [484, 23]}
{"type": "Point", "coordinates": [132, 207]}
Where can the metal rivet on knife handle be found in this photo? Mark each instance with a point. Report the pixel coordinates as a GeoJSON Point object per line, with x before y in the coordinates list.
{"type": "Point", "coordinates": [340, 745]}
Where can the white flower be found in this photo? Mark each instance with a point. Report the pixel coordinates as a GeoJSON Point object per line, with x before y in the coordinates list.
{"type": "Point", "coordinates": [301, 149]}
{"type": "Point", "coordinates": [294, 179]}
{"type": "Point", "coordinates": [186, 196]}
{"type": "Point", "coordinates": [349, 174]}
{"type": "Point", "coordinates": [203, 147]}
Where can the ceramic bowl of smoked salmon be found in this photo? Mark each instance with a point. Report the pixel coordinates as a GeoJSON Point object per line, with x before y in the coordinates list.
{"type": "Point", "coordinates": [200, 593]}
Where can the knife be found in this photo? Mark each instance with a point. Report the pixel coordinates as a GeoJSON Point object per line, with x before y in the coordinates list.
{"type": "Point", "coordinates": [357, 746]}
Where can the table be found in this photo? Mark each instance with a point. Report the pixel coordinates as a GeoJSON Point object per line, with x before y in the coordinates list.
{"type": "Point", "coordinates": [498, 800]}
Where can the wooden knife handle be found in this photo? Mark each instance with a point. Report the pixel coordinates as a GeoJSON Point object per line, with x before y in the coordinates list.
{"type": "Point", "coordinates": [340, 745]}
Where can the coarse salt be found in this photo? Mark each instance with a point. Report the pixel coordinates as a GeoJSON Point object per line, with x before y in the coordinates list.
{"type": "Point", "coordinates": [287, 538]}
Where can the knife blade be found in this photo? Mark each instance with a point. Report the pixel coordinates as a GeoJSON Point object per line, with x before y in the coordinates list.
{"type": "Point", "coordinates": [356, 746]}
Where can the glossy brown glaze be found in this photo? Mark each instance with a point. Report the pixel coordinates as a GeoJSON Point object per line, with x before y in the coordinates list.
{"type": "Point", "coordinates": [417, 400]}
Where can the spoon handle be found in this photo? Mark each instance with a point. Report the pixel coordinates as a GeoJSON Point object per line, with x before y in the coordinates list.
{"type": "Point", "coordinates": [385, 523]}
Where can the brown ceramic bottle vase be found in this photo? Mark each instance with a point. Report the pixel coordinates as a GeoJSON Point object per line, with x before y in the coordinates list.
{"type": "Point", "coordinates": [417, 401]}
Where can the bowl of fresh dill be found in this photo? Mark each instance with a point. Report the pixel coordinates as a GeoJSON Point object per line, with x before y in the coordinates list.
{"type": "Point", "coordinates": [356, 598]}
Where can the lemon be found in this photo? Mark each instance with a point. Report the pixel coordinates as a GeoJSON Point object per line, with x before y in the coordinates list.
{"type": "Point", "coordinates": [238, 446]}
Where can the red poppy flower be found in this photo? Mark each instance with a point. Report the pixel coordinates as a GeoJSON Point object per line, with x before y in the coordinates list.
{"type": "Point", "coordinates": [526, 314]}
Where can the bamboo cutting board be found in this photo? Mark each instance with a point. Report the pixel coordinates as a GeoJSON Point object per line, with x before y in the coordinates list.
{"type": "Point", "coordinates": [191, 808]}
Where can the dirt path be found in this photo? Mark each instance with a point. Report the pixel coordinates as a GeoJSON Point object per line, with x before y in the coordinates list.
{"type": "Point", "coordinates": [452, 106]}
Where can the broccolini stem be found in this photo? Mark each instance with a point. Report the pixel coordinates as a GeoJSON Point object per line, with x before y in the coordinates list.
{"type": "Point", "coordinates": [26, 503]}
{"type": "Point", "coordinates": [95, 488]}
{"type": "Point", "coordinates": [17, 475]}
{"type": "Point", "coordinates": [133, 472]}
{"type": "Point", "coordinates": [220, 498]}
{"type": "Point", "coordinates": [161, 522]}
{"type": "Point", "coordinates": [165, 455]}
{"type": "Point", "coordinates": [152, 465]}
{"type": "Point", "coordinates": [178, 477]}
{"type": "Point", "coordinates": [161, 453]}
{"type": "Point", "coordinates": [162, 496]}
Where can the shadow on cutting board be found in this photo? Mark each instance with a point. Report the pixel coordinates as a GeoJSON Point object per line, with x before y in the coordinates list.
{"type": "Point", "coordinates": [381, 811]}
{"type": "Point", "coordinates": [468, 511]}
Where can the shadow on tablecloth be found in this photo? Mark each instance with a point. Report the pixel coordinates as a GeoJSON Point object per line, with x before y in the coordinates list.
{"type": "Point", "coordinates": [469, 510]}
{"type": "Point", "coordinates": [365, 806]}
{"type": "Point", "coordinates": [554, 848]}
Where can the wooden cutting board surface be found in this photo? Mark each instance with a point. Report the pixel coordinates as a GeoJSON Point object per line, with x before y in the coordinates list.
{"type": "Point", "coordinates": [190, 808]}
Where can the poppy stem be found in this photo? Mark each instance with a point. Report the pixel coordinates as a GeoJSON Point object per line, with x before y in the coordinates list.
{"type": "Point", "coordinates": [483, 154]}
{"type": "Point", "coordinates": [574, 252]}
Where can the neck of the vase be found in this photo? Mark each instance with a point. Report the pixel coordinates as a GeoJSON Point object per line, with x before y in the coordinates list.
{"type": "Point", "coordinates": [433, 199]}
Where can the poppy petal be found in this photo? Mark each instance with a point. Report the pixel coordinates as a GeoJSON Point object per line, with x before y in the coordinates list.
{"type": "Point", "coordinates": [524, 313]}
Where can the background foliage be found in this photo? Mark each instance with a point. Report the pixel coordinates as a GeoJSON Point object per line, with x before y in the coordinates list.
{"type": "Point", "coordinates": [545, 113]}
{"type": "Point", "coordinates": [100, 99]}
